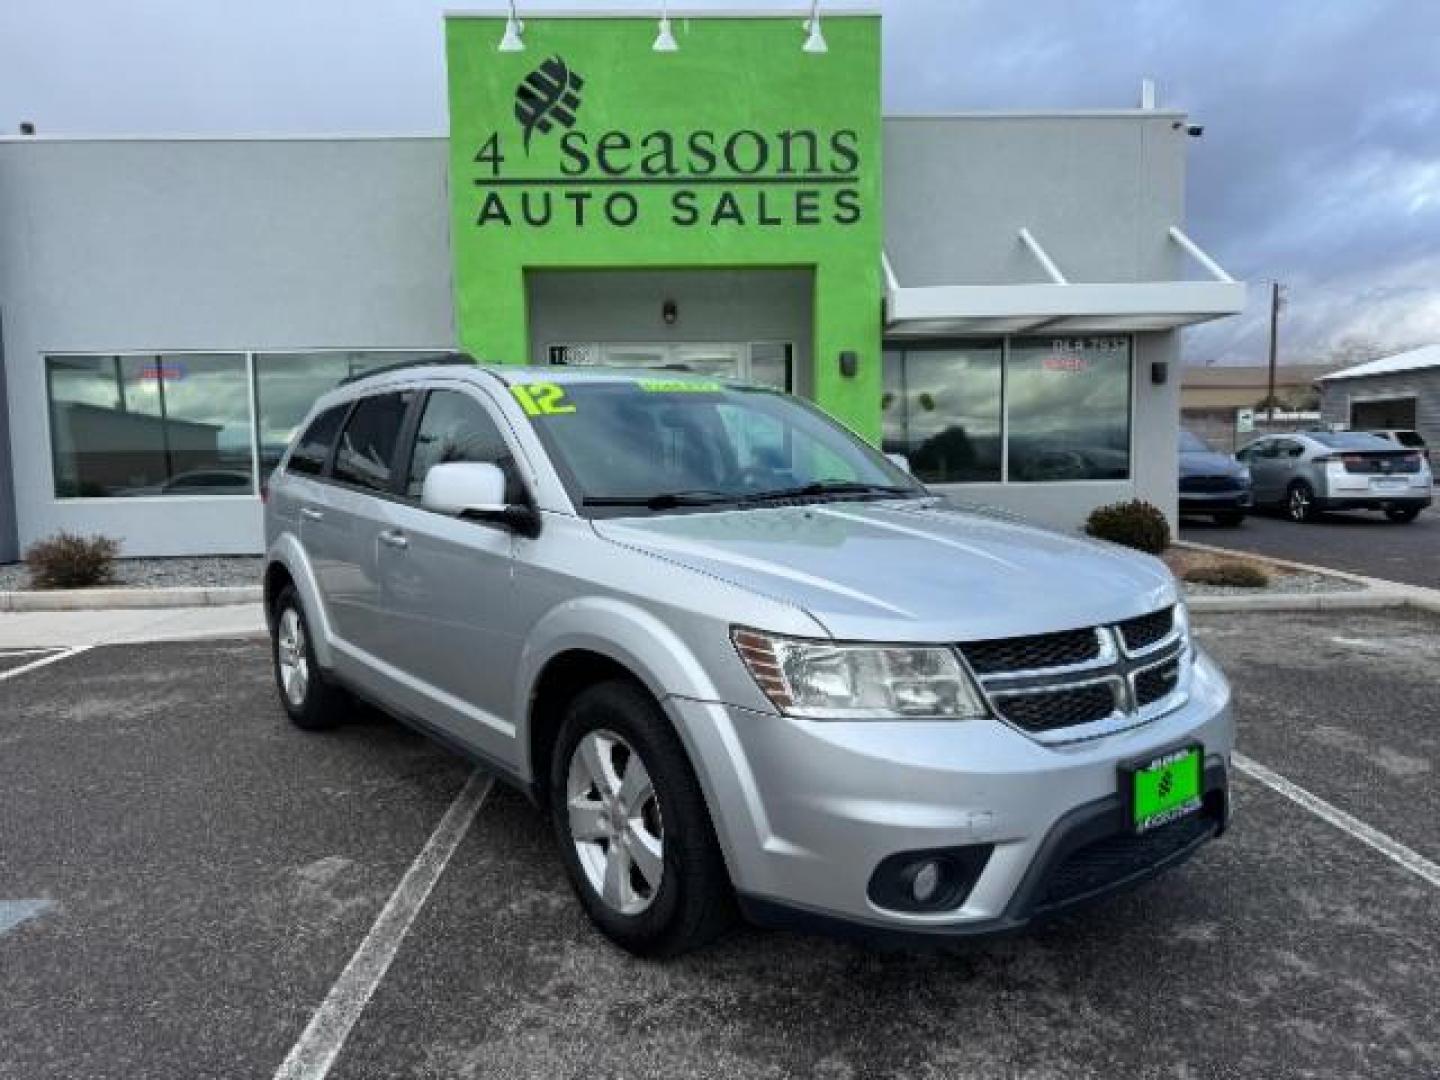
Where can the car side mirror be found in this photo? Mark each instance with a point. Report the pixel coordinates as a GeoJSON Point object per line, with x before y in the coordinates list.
{"type": "Point", "coordinates": [901, 462]}
{"type": "Point", "coordinates": [475, 491]}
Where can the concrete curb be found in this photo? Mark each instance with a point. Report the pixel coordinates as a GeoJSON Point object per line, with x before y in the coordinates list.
{"type": "Point", "coordinates": [127, 599]}
{"type": "Point", "coordinates": [1377, 593]}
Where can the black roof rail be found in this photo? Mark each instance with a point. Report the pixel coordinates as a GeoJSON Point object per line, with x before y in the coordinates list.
{"type": "Point", "coordinates": [439, 360]}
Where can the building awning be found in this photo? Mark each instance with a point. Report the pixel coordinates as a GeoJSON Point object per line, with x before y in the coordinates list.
{"type": "Point", "coordinates": [1060, 305]}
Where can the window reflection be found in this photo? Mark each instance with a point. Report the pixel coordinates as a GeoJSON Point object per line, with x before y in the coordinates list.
{"type": "Point", "coordinates": [941, 408]}
{"type": "Point", "coordinates": [1070, 408]}
{"type": "Point", "coordinates": [171, 424]}
{"type": "Point", "coordinates": [287, 384]}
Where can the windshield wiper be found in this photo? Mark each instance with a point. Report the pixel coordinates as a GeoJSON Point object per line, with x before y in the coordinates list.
{"type": "Point", "coordinates": [830, 487]}
{"type": "Point", "coordinates": [664, 500]}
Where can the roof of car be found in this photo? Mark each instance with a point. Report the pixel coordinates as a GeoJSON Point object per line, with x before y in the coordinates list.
{"type": "Point", "coordinates": [512, 374]}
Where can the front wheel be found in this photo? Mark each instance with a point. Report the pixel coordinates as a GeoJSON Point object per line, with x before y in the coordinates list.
{"type": "Point", "coordinates": [1300, 502]}
{"type": "Point", "coordinates": [1402, 514]}
{"type": "Point", "coordinates": [632, 826]}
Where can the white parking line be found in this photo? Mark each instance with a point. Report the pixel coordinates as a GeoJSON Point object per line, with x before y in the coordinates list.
{"type": "Point", "coordinates": [1392, 849]}
{"type": "Point", "coordinates": [324, 1037]}
{"type": "Point", "coordinates": [63, 654]}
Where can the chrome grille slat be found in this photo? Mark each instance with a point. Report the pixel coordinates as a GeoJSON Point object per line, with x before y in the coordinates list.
{"type": "Point", "coordinates": [1086, 683]}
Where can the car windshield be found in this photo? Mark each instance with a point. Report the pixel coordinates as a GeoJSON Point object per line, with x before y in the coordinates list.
{"type": "Point", "coordinates": [1192, 444]}
{"type": "Point", "coordinates": [1351, 440]}
{"type": "Point", "coordinates": [651, 445]}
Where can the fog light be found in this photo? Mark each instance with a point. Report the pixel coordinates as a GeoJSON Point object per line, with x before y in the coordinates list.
{"type": "Point", "coordinates": [926, 882]}
{"type": "Point", "coordinates": [935, 880]}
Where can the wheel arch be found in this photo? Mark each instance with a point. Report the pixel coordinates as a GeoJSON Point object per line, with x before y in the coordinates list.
{"type": "Point", "coordinates": [286, 564]}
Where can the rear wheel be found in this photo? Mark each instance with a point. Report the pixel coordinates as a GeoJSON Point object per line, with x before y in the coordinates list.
{"type": "Point", "coordinates": [1402, 514]}
{"type": "Point", "coordinates": [310, 700]}
{"type": "Point", "coordinates": [632, 826]}
{"type": "Point", "coordinates": [1300, 502]}
{"type": "Point", "coordinates": [1230, 518]}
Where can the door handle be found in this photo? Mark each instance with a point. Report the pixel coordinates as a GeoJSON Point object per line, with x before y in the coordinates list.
{"type": "Point", "coordinates": [311, 514]}
{"type": "Point", "coordinates": [394, 538]}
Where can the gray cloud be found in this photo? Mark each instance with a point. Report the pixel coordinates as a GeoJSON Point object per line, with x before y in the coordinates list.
{"type": "Point", "coordinates": [1320, 164]}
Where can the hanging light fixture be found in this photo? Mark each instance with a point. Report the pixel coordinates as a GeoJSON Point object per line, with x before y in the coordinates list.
{"type": "Point", "coordinates": [665, 39]}
{"type": "Point", "coordinates": [815, 43]}
{"type": "Point", "coordinates": [511, 41]}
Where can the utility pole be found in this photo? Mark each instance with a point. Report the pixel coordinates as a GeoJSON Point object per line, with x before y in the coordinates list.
{"type": "Point", "coordinates": [1276, 300]}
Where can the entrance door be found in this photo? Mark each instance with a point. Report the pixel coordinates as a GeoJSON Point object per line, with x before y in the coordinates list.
{"type": "Point", "coordinates": [765, 363]}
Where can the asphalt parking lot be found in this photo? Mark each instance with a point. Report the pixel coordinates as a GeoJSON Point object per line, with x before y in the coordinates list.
{"type": "Point", "coordinates": [1360, 542]}
{"type": "Point", "coordinates": [184, 878]}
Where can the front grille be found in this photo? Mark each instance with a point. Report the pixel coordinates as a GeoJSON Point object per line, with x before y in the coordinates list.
{"type": "Point", "coordinates": [1145, 630]}
{"type": "Point", "coordinates": [1211, 483]}
{"type": "Point", "coordinates": [1109, 861]}
{"type": "Point", "coordinates": [1154, 683]}
{"type": "Point", "coordinates": [1036, 651]}
{"type": "Point", "coordinates": [1067, 707]}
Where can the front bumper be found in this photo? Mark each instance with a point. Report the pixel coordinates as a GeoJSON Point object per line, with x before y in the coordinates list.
{"type": "Point", "coordinates": [805, 811]}
{"type": "Point", "coordinates": [1207, 502]}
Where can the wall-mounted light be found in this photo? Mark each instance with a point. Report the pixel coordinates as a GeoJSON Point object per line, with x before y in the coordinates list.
{"type": "Point", "coordinates": [849, 363]}
{"type": "Point", "coordinates": [815, 43]}
{"type": "Point", "coordinates": [669, 313]}
{"type": "Point", "coordinates": [1159, 372]}
{"type": "Point", "coordinates": [665, 39]}
{"type": "Point", "coordinates": [511, 41]}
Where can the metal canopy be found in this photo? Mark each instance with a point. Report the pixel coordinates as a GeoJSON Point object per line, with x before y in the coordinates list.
{"type": "Point", "coordinates": [1060, 305]}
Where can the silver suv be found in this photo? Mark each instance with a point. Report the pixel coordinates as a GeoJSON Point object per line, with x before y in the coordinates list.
{"type": "Point", "coordinates": [1308, 473]}
{"type": "Point", "coordinates": [739, 657]}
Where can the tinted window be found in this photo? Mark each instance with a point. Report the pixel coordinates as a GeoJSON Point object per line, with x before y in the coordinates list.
{"type": "Point", "coordinates": [366, 454]}
{"type": "Point", "coordinates": [1069, 405]}
{"type": "Point", "coordinates": [1350, 440]}
{"type": "Point", "coordinates": [1409, 438]}
{"type": "Point", "coordinates": [941, 409]}
{"type": "Point", "coordinates": [455, 427]}
{"type": "Point", "coordinates": [313, 449]}
{"type": "Point", "coordinates": [134, 426]}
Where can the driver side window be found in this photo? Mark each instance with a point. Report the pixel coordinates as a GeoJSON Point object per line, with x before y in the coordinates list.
{"type": "Point", "coordinates": [456, 427]}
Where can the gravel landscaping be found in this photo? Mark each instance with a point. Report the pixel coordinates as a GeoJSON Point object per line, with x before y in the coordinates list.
{"type": "Point", "coordinates": [1280, 582]}
{"type": "Point", "coordinates": [188, 572]}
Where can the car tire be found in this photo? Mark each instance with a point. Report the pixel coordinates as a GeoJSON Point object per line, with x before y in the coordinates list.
{"type": "Point", "coordinates": [1230, 518]}
{"type": "Point", "coordinates": [1300, 502]}
{"type": "Point", "coordinates": [1402, 515]}
{"type": "Point", "coordinates": [312, 702]}
{"type": "Point", "coordinates": [647, 825]}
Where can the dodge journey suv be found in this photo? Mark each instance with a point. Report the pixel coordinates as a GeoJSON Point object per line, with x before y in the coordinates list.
{"type": "Point", "coordinates": [740, 659]}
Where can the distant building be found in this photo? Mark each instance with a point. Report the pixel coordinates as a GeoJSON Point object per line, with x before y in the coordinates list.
{"type": "Point", "coordinates": [1401, 391]}
{"type": "Point", "coordinates": [1212, 397]}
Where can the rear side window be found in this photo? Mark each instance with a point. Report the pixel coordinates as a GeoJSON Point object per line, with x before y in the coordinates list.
{"type": "Point", "coordinates": [1410, 438]}
{"type": "Point", "coordinates": [456, 427]}
{"type": "Point", "coordinates": [366, 454]}
{"type": "Point", "coordinates": [313, 449]}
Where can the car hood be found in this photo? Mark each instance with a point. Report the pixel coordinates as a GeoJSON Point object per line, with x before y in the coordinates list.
{"type": "Point", "coordinates": [908, 571]}
{"type": "Point", "coordinates": [1208, 463]}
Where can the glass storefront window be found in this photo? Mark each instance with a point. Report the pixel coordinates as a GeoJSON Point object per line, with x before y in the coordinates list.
{"type": "Point", "coordinates": [1025, 410]}
{"type": "Point", "coordinates": [287, 384]}
{"type": "Point", "coordinates": [941, 409]}
{"type": "Point", "coordinates": [176, 424]}
{"type": "Point", "coordinates": [1069, 401]}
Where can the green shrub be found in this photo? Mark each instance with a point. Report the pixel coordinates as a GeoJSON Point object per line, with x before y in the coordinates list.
{"type": "Point", "coordinates": [68, 561]}
{"type": "Point", "coordinates": [1135, 524]}
{"type": "Point", "coordinates": [1238, 575]}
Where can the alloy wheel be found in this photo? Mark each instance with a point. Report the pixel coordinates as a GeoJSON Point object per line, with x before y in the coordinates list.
{"type": "Point", "coordinates": [614, 822]}
{"type": "Point", "coordinates": [291, 657]}
{"type": "Point", "coordinates": [1299, 504]}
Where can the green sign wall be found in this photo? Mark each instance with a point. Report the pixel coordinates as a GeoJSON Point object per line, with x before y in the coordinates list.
{"type": "Point", "coordinates": [590, 150]}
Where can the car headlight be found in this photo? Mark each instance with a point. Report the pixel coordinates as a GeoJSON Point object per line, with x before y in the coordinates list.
{"type": "Point", "coordinates": [829, 681]}
{"type": "Point", "coordinates": [1244, 475]}
{"type": "Point", "coordinates": [1182, 625]}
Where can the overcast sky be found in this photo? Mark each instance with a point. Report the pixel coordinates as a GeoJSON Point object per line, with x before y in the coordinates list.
{"type": "Point", "coordinates": [1320, 163]}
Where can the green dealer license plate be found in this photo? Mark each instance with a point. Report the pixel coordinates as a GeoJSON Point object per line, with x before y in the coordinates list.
{"type": "Point", "coordinates": [1165, 788]}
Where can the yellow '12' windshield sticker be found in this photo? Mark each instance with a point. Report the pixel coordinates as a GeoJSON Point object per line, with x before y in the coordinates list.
{"type": "Point", "coordinates": [678, 386]}
{"type": "Point", "coordinates": [541, 399]}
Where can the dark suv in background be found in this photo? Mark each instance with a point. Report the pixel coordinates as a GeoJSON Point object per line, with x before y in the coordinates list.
{"type": "Point", "coordinates": [1212, 483]}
